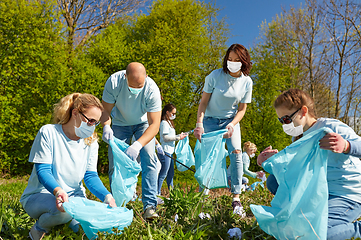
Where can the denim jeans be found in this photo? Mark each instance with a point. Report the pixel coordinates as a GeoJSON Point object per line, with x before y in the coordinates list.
{"type": "Point", "coordinates": [167, 171]}
{"type": "Point", "coordinates": [148, 161]}
{"type": "Point", "coordinates": [342, 213]}
{"type": "Point", "coordinates": [234, 143]}
{"type": "Point", "coordinates": [41, 206]}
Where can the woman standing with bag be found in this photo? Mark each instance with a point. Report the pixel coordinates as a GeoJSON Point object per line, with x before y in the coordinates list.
{"type": "Point", "coordinates": [224, 101]}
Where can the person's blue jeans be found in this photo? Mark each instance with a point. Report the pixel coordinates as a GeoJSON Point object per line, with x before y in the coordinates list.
{"type": "Point", "coordinates": [342, 213]}
{"type": "Point", "coordinates": [167, 171]}
{"type": "Point", "coordinates": [41, 206]}
{"type": "Point", "coordinates": [148, 161]}
{"type": "Point", "coordinates": [234, 143]}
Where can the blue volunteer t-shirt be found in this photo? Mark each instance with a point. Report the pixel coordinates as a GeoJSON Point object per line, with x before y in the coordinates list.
{"type": "Point", "coordinates": [131, 109]}
{"type": "Point", "coordinates": [227, 93]}
{"type": "Point", "coordinates": [166, 129]}
{"type": "Point", "coordinates": [69, 159]}
{"type": "Point", "coordinates": [343, 170]}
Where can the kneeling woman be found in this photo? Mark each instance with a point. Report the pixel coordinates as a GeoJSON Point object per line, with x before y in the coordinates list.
{"type": "Point", "coordinates": [64, 154]}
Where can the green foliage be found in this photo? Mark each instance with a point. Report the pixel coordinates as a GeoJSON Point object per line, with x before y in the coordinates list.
{"type": "Point", "coordinates": [179, 43]}
{"type": "Point", "coordinates": [186, 202]}
{"type": "Point", "coordinates": [274, 70]}
{"type": "Point", "coordinates": [31, 68]}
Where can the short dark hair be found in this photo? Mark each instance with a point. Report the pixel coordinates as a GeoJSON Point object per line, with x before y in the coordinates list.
{"type": "Point", "coordinates": [243, 54]}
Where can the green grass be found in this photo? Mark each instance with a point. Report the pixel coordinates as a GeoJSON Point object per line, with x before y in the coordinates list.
{"type": "Point", "coordinates": [184, 200]}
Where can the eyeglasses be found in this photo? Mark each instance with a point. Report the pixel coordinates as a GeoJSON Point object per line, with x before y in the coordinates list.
{"type": "Point", "coordinates": [287, 119]}
{"type": "Point", "coordinates": [91, 121]}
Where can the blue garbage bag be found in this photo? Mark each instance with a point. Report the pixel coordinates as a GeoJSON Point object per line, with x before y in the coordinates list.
{"type": "Point", "coordinates": [211, 168]}
{"type": "Point", "coordinates": [184, 154]}
{"type": "Point", "coordinates": [124, 178]}
{"type": "Point", "coordinates": [299, 210]}
{"type": "Point", "coordinates": [97, 217]}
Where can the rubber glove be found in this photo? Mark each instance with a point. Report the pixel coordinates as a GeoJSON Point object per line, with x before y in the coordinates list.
{"type": "Point", "coordinates": [110, 200]}
{"type": "Point", "coordinates": [265, 154]}
{"type": "Point", "coordinates": [107, 133]}
{"type": "Point", "coordinates": [133, 150]}
{"type": "Point", "coordinates": [183, 135]}
{"type": "Point", "coordinates": [198, 131]}
{"type": "Point", "coordinates": [159, 149]}
{"type": "Point", "coordinates": [61, 196]}
{"type": "Point", "coordinates": [334, 142]}
{"type": "Point", "coordinates": [230, 129]}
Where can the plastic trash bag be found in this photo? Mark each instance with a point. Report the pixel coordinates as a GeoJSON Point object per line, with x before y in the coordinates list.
{"type": "Point", "coordinates": [96, 216]}
{"type": "Point", "coordinates": [125, 173]}
{"type": "Point", "coordinates": [211, 168]}
{"type": "Point", "coordinates": [300, 207]}
{"type": "Point", "coordinates": [184, 154]}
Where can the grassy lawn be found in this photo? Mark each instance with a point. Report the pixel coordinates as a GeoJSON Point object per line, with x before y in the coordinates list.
{"type": "Point", "coordinates": [184, 201]}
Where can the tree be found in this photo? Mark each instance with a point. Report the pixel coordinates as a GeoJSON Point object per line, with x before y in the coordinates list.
{"type": "Point", "coordinates": [31, 73]}
{"type": "Point", "coordinates": [179, 43]}
{"type": "Point", "coordinates": [90, 16]}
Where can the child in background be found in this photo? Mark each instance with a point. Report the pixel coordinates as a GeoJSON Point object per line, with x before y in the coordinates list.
{"type": "Point", "coordinates": [249, 150]}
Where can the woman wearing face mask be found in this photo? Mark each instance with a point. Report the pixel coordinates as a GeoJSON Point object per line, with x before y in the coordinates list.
{"type": "Point", "coordinates": [64, 153]}
{"type": "Point", "coordinates": [224, 101]}
{"type": "Point", "coordinates": [296, 112]}
{"type": "Point", "coordinates": [167, 139]}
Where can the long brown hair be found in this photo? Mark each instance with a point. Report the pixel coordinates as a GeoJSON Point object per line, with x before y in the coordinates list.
{"type": "Point", "coordinates": [167, 108]}
{"type": "Point", "coordinates": [243, 54]}
{"type": "Point", "coordinates": [296, 98]}
{"type": "Point", "coordinates": [63, 109]}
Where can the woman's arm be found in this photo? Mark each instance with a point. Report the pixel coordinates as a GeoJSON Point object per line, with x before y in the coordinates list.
{"type": "Point", "coordinates": [199, 130]}
{"type": "Point", "coordinates": [95, 185]}
{"type": "Point", "coordinates": [240, 113]}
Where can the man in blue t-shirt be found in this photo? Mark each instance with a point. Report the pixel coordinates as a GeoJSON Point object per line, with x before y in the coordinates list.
{"type": "Point", "coordinates": [133, 105]}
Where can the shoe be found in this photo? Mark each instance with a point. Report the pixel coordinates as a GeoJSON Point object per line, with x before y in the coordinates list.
{"type": "Point", "coordinates": [150, 214]}
{"type": "Point", "coordinates": [35, 234]}
{"type": "Point", "coordinates": [160, 201]}
{"type": "Point", "coordinates": [238, 209]}
{"type": "Point", "coordinates": [236, 204]}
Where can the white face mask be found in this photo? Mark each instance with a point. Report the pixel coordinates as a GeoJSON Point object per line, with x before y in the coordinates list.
{"type": "Point", "coordinates": [291, 130]}
{"type": "Point", "coordinates": [135, 91]}
{"type": "Point", "coordinates": [252, 155]}
{"type": "Point", "coordinates": [84, 131]}
{"type": "Point", "coordinates": [234, 67]}
{"type": "Point", "coordinates": [172, 117]}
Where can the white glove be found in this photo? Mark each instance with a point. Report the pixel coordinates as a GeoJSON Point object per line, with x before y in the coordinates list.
{"type": "Point", "coordinates": [230, 129]}
{"type": "Point", "coordinates": [110, 200]}
{"type": "Point", "coordinates": [159, 149]}
{"type": "Point", "coordinates": [198, 131]}
{"type": "Point", "coordinates": [107, 133]}
{"type": "Point", "coordinates": [133, 150]}
{"type": "Point", "coordinates": [60, 197]}
{"type": "Point", "coordinates": [183, 135]}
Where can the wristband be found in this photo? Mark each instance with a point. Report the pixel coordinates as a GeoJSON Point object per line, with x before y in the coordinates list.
{"type": "Point", "coordinates": [199, 125]}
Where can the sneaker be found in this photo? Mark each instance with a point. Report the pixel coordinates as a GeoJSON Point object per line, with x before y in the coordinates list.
{"type": "Point", "coordinates": [236, 204]}
{"type": "Point", "coordinates": [150, 214]}
{"type": "Point", "coordinates": [35, 234]}
{"type": "Point", "coordinates": [160, 201]}
{"type": "Point", "coordinates": [238, 208]}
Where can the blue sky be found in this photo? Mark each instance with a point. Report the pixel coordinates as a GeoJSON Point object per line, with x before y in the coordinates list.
{"type": "Point", "coordinates": [245, 17]}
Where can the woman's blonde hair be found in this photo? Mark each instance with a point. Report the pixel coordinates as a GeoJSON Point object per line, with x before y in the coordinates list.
{"type": "Point", "coordinates": [63, 109]}
{"type": "Point", "coordinates": [249, 145]}
{"type": "Point", "coordinates": [296, 98]}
